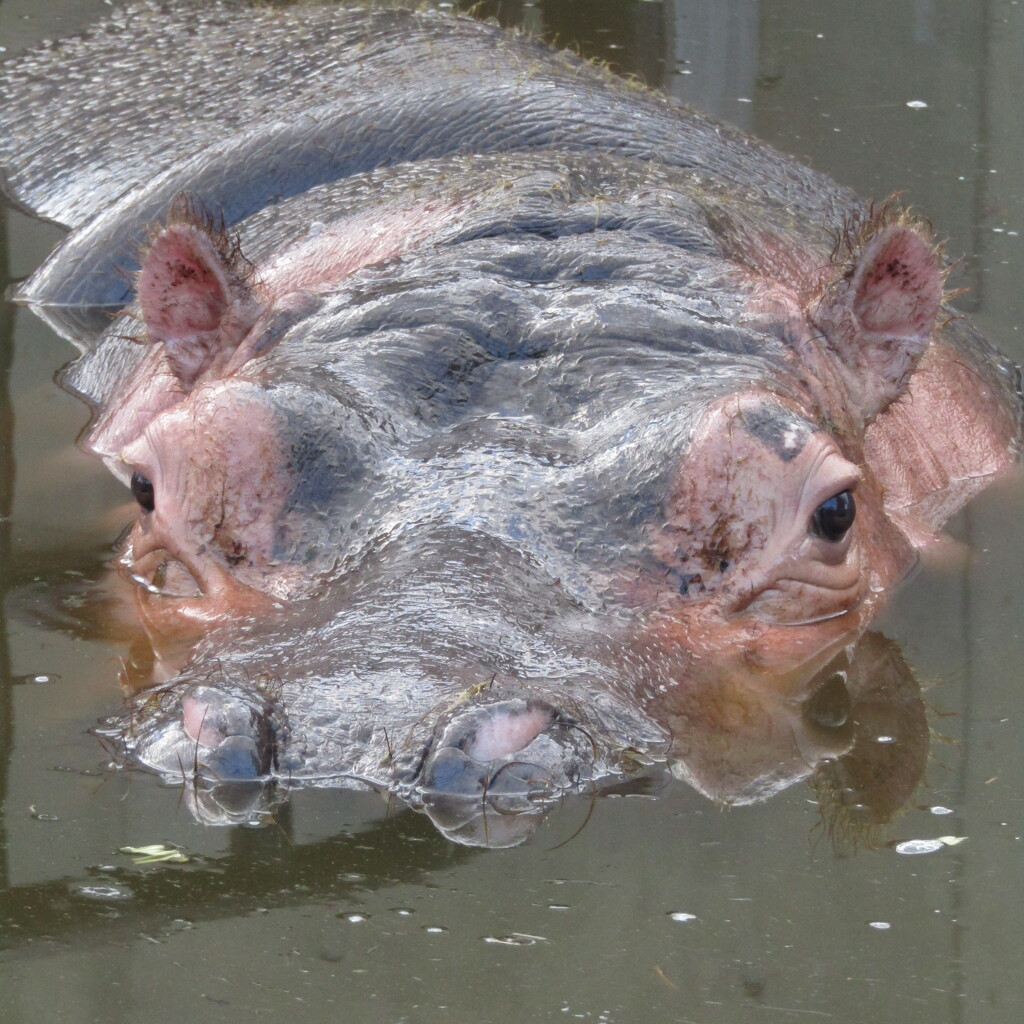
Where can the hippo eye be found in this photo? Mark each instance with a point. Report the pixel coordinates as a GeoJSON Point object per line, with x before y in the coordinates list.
{"type": "Point", "coordinates": [833, 518]}
{"type": "Point", "coordinates": [142, 492]}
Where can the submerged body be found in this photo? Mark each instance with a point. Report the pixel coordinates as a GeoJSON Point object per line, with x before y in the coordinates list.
{"type": "Point", "coordinates": [531, 433]}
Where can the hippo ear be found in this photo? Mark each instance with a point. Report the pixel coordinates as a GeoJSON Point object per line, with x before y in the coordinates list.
{"type": "Point", "coordinates": [879, 316]}
{"type": "Point", "coordinates": [194, 299]}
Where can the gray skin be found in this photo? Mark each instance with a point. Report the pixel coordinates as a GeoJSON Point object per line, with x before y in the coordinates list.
{"type": "Point", "coordinates": [509, 447]}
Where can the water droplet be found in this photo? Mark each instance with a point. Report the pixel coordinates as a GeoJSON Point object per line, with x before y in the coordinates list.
{"type": "Point", "coordinates": [681, 915]}
{"type": "Point", "coordinates": [917, 104]}
{"type": "Point", "coordinates": [353, 917]}
{"type": "Point", "coordinates": [939, 809]}
{"type": "Point", "coordinates": [882, 926]}
{"type": "Point", "coordinates": [434, 929]}
{"type": "Point", "coordinates": [403, 911]}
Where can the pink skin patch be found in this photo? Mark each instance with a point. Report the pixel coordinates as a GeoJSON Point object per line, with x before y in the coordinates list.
{"type": "Point", "coordinates": [941, 443]}
{"type": "Point", "coordinates": [504, 734]}
{"type": "Point", "coordinates": [194, 714]}
{"type": "Point", "coordinates": [330, 252]}
{"type": "Point", "coordinates": [150, 389]}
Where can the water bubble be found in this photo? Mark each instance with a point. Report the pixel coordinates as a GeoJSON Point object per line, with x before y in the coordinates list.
{"type": "Point", "coordinates": [103, 892]}
{"type": "Point", "coordinates": [682, 915]}
{"type": "Point", "coordinates": [355, 917]}
{"type": "Point", "coordinates": [434, 929]}
{"type": "Point", "coordinates": [917, 104]}
{"type": "Point", "coordinates": [882, 926]}
{"type": "Point", "coordinates": [913, 847]}
{"type": "Point", "coordinates": [939, 809]}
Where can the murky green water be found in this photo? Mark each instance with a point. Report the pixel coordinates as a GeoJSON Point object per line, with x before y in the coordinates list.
{"type": "Point", "coordinates": [655, 907]}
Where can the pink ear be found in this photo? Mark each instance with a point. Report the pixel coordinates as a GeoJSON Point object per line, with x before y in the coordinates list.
{"type": "Point", "coordinates": [193, 302]}
{"type": "Point", "coordinates": [897, 285]}
{"type": "Point", "coordinates": [877, 318]}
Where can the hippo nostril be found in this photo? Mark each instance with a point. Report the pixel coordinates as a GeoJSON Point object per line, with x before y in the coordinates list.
{"type": "Point", "coordinates": [237, 758]}
{"type": "Point", "coordinates": [451, 772]}
{"type": "Point", "coordinates": [235, 737]}
{"type": "Point", "coordinates": [513, 749]}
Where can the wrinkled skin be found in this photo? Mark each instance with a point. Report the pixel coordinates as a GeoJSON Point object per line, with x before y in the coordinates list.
{"type": "Point", "coordinates": [528, 435]}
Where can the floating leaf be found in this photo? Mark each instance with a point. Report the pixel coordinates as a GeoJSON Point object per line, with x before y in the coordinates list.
{"type": "Point", "coordinates": [155, 853]}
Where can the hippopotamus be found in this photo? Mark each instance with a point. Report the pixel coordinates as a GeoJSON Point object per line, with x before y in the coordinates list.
{"type": "Point", "coordinates": [496, 428]}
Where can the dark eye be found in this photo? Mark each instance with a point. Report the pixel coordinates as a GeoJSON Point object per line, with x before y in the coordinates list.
{"type": "Point", "coordinates": [834, 517]}
{"type": "Point", "coordinates": [142, 492]}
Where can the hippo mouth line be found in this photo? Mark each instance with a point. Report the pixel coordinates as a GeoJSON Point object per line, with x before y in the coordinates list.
{"type": "Point", "coordinates": [177, 592]}
{"type": "Point", "coordinates": [160, 572]}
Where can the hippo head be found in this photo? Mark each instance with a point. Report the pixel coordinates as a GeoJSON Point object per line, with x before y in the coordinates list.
{"type": "Point", "coordinates": [532, 430]}
{"type": "Point", "coordinates": [604, 478]}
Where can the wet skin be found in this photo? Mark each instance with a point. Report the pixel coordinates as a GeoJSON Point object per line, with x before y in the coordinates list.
{"type": "Point", "coordinates": [487, 457]}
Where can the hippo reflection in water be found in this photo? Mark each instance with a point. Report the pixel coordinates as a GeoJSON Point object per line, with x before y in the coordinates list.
{"type": "Point", "coordinates": [522, 431]}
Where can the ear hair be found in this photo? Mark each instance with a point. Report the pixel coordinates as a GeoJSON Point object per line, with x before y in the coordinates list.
{"type": "Point", "coordinates": [195, 292]}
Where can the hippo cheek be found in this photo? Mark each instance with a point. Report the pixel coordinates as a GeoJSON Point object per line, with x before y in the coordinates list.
{"type": "Point", "coordinates": [211, 479]}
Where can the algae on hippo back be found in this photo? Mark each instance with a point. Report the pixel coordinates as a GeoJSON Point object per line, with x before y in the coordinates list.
{"type": "Point", "coordinates": [507, 440]}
